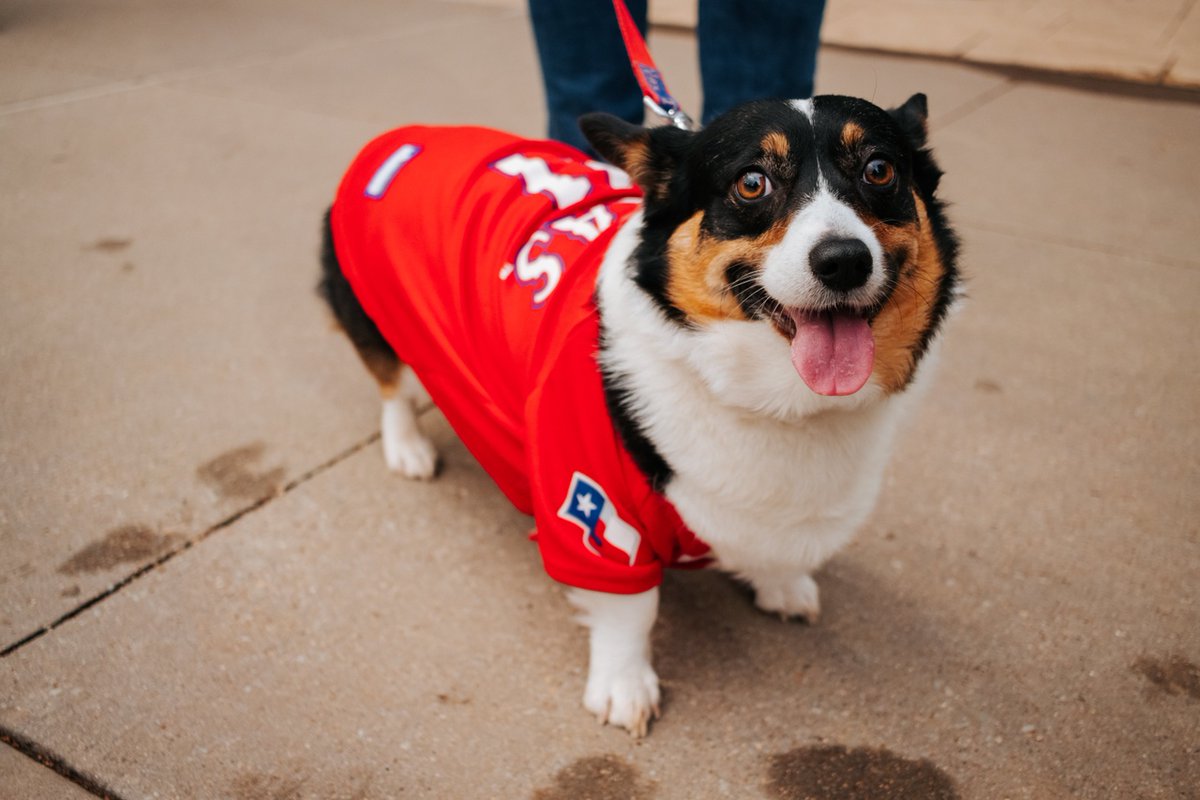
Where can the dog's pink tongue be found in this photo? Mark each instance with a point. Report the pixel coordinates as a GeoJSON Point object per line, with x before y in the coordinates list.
{"type": "Point", "coordinates": [833, 352]}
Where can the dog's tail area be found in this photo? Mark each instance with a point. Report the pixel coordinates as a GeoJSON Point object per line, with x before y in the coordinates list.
{"type": "Point", "coordinates": [405, 448]}
{"type": "Point", "coordinates": [378, 356]}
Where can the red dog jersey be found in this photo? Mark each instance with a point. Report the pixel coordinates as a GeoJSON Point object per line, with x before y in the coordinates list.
{"type": "Point", "coordinates": [476, 255]}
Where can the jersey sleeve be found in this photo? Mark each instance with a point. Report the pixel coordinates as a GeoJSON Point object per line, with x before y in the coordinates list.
{"type": "Point", "coordinates": [587, 493]}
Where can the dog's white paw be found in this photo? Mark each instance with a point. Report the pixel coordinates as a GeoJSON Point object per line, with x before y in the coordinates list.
{"type": "Point", "coordinates": [404, 448]}
{"type": "Point", "coordinates": [412, 456]}
{"type": "Point", "coordinates": [793, 597]}
{"type": "Point", "coordinates": [622, 688]}
{"type": "Point", "coordinates": [628, 697]}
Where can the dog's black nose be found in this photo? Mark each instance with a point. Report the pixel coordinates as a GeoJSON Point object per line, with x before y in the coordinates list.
{"type": "Point", "coordinates": [841, 264]}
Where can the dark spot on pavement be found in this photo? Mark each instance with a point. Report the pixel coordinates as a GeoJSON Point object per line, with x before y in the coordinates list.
{"type": "Point", "coordinates": [128, 266]}
{"type": "Point", "coordinates": [604, 777]}
{"type": "Point", "coordinates": [110, 244]}
{"type": "Point", "coordinates": [252, 786]}
{"type": "Point", "coordinates": [446, 698]}
{"type": "Point", "coordinates": [234, 474]}
{"type": "Point", "coordinates": [127, 544]}
{"type": "Point", "coordinates": [70, 591]}
{"type": "Point", "coordinates": [834, 772]}
{"type": "Point", "coordinates": [1174, 675]}
{"type": "Point", "coordinates": [362, 790]}
{"type": "Point", "coordinates": [988, 386]}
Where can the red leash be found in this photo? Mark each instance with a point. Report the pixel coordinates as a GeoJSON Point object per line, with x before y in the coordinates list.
{"type": "Point", "coordinates": [654, 89]}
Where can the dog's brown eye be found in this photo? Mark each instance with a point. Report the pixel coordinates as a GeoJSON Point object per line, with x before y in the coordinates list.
{"type": "Point", "coordinates": [879, 172]}
{"type": "Point", "coordinates": [752, 186]}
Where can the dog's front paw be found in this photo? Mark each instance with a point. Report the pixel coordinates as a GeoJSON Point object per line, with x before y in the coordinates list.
{"type": "Point", "coordinates": [413, 457]}
{"type": "Point", "coordinates": [793, 597]}
{"type": "Point", "coordinates": [627, 697]}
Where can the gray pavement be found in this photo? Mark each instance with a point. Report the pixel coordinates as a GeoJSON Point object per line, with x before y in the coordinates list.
{"type": "Point", "coordinates": [211, 587]}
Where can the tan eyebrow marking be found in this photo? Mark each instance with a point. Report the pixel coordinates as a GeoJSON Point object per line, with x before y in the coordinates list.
{"type": "Point", "coordinates": [776, 144]}
{"type": "Point", "coordinates": [852, 135]}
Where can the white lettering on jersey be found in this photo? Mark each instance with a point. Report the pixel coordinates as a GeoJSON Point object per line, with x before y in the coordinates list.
{"type": "Point", "coordinates": [588, 225]}
{"type": "Point", "coordinates": [617, 178]}
{"type": "Point", "coordinates": [546, 268]}
{"type": "Point", "coordinates": [535, 174]}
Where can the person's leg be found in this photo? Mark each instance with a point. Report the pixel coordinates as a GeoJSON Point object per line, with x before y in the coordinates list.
{"type": "Point", "coordinates": [751, 49]}
{"type": "Point", "coordinates": [584, 66]}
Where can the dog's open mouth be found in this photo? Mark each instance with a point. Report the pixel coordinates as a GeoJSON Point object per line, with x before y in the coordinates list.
{"type": "Point", "coordinates": [833, 351]}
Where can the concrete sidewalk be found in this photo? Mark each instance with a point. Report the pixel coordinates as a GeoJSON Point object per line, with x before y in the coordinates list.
{"type": "Point", "coordinates": [211, 588]}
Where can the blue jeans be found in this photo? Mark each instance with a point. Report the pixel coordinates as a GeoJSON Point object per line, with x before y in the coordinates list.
{"type": "Point", "coordinates": [749, 49]}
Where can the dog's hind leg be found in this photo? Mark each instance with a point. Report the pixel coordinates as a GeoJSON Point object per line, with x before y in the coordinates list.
{"type": "Point", "coordinates": [405, 448]}
{"type": "Point", "coordinates": [788, 595]}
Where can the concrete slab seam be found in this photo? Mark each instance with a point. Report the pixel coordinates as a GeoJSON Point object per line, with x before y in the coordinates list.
{"type": "Point", "coordinates": [1167, 67]}
{"type": "Point", "coordinates": [224, 523]}
{"type": "Point", "coordinates": [50, 760]}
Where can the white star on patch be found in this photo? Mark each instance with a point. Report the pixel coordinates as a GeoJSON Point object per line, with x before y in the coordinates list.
{"type": "Point", "coordinates": [585, 504]}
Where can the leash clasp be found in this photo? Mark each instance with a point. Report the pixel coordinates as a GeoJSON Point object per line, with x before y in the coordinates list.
{"type": "Point", "coordinates": [676, 116]}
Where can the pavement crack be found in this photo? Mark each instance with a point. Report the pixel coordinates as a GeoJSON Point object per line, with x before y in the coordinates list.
{"type": "Point", "coordinates": [1176, 22]}
{"type": "Point", "coordinates": [974, 104]}
{"type": "Point", "coordinates": [250, 508]}
{"type": "Point", "coordinates": [51, 760]}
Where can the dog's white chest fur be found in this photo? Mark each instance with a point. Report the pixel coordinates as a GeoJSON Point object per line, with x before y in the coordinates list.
{"type": "Point", "coordinates": [768, 495]}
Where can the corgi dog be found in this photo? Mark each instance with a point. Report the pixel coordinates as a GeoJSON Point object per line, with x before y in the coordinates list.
{"type": "Point", "coordinates": [694, 355]}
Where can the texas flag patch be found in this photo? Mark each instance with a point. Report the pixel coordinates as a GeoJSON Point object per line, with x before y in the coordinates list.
{"type": "Point", "coordinates": [588, 507]}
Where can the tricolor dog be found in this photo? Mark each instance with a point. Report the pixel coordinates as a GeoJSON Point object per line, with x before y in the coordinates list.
{"type": "Point", "coordinates": [696, 357]}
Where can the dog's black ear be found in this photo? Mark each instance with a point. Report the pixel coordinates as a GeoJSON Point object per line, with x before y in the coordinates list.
{"type": "Point", "coordinates": [649, 155]}
{"type": "Point", "coordinates": [913, 119]}
{"type": "Point", "coordinates": [616, 140]}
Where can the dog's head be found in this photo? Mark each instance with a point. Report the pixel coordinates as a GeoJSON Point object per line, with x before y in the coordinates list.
{"type": "Point", "coordinates": [815, 217]}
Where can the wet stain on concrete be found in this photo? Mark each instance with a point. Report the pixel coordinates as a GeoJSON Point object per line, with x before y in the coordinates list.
{"type": "Point", "coordinates": [70, 591]}
{"type": "Point", "coordinates": [834, 772]}
{"type": "Point", "coordinates": [110, 244]}
{"type": "Point", "coordinates": [268, 786]}
{"type": "Point", "coordinates": [235, 476]}
{"type": "Point", "coordinates": [605, 777]}
{"type": "Point", "coordinates": [988, 386]}
{"type": "Point", "coordinates": [254, 786]}
{"type": "Point", "coordinates": [1174, 675]}
{"type": "Point", "coordinates": [127, 544]}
